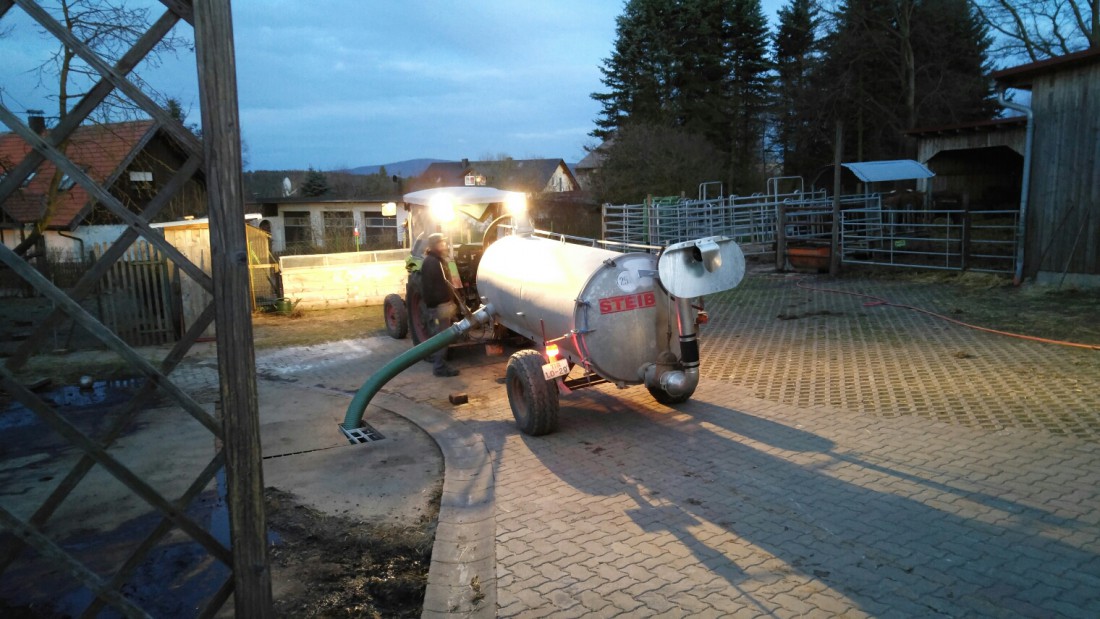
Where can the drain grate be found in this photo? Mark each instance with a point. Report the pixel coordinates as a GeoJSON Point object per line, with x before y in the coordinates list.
{"type": "Point", "coordinates": [362, 434]}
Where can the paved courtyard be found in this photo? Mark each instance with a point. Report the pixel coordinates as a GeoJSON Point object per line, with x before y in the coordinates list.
{"type": "Point", "coordinates": [838, 459]}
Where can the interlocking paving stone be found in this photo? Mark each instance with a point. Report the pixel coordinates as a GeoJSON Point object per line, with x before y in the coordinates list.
{"type": "Point", "coordinates": [856, 461]}
{"type": "Point", "coordinates": [832, 349]}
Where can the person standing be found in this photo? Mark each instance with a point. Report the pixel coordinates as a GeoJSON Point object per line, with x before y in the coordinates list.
{"type": "Point", "coordinates": [438, 297]}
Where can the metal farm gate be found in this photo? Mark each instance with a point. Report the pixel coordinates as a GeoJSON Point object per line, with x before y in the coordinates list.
{"type": "Point", "coordinates": [871, 232]}
{"type": "Point", "coordinates": [229, 439]}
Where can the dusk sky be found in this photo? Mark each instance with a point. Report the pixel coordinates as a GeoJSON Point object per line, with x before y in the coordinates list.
{"type": "Point", "coordinates": [344, 83]}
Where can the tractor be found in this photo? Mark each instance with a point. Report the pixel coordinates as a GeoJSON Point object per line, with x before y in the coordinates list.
{"type": "Point", "coordinates": [470, 218]}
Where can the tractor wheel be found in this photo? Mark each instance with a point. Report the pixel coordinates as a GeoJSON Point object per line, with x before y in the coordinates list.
{"type": "Point", "coordinates": [397, 318]}
{"type": "Point", "coordinates": [418, 312]}
{"type": "Point", "coordinates": [667, 399]}
{"type": "Point", "coordinates": [533, 399]}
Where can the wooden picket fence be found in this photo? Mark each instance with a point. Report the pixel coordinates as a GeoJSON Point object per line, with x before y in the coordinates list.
{"type": "Point", "coordinates": [135, 298]}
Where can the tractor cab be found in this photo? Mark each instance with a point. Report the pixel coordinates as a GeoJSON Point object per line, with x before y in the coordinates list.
{"type": "Point", "coordinates": [469, 217]}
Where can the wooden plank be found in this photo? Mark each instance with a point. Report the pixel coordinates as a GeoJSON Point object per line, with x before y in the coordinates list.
{"type": "Point", "coordinates": [128, 328]}
{"type": "Point", "coordinates": [147, 302]}
{"type": "Point", "coordinates": [838, 155]}
{"type": "Point", "coordinates": [182, 8]}
{"type": "Point", "coordinates": [149, 293]}
{"type": "Point", "coordinates": [168, 329]}
{"type": "Point", "coordinates": [1063, 219]}
{"type": "Point", "coordinates": [229, 262]}
{"type": "Point", "coordinates": [144, 289]}
{"type": "Point", "coordinates": [107, 292]}
{"type": "Point", "coordinates": [195, 246]}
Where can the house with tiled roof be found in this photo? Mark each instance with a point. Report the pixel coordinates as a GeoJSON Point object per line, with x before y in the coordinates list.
{"type": "Point", "coordinates": [531, 176]}
{"type": "Point", "coordinates": [555, 199]}
{"type": "Point", "coordinates": [132, 159]}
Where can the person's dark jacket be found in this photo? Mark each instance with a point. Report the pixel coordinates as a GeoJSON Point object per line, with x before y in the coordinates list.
{"type": "Point", "coordinates": [436, 289]}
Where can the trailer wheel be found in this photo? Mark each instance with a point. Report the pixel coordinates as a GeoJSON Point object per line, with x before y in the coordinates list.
{"type": "Point", "coordinates": [396, 316]}
{"type": "Point", "coordinates": [666, 398]}
{"type": "Point", "coordinates": [533, 399]}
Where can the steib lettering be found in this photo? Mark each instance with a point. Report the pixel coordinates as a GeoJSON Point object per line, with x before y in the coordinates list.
{"type": "Point", "coordinates": [628, 302]}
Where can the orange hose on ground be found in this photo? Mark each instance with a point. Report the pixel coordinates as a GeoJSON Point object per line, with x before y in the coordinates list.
{"type": "Point", "coordinates": [882, 301]}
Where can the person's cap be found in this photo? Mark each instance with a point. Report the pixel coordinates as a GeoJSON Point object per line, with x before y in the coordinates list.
{"type": "Point", "coordinates": [435, 239]}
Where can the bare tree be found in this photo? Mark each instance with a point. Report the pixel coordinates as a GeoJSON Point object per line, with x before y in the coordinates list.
{"type": "Point", "coordinates": [1038, 29]}
{"type": "Point", "coordinates": [110, 28]}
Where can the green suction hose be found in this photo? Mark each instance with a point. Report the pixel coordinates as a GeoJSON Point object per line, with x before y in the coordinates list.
{"type": "Point", "coordinates": [353, 419]}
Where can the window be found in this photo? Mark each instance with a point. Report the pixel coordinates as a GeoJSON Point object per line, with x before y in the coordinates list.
{"type": "Point", "coordinates": [339, 231]}
{"type": "Point", "coordinates": [141, 177]}
{"type": "Point", "coordinates": [378, 232]}
{"type": "Point", "coordinates": [68, 182]}
{"type": "Point", "coordinates": [297, 231]}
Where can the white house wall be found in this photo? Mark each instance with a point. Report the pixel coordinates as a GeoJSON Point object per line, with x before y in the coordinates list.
{"type": "Point", "coordinates": [560, 181]}
{"type": "Point", "coordinates": [316, 211]}
{"type": "Point", "coordinates": [66, 247]}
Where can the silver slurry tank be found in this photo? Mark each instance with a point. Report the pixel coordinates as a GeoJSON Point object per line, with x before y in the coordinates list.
{"type": "Point", "coordinates": [604, 308]}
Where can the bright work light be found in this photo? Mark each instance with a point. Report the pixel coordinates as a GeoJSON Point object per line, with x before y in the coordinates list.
{"type": "Point", "coordinates": [516, 203]}
{"type": "Point", "coordinates": [442, 208]}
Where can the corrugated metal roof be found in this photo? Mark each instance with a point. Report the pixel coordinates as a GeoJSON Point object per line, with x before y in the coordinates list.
{"type": "Point", "coordinates": [896, 170]}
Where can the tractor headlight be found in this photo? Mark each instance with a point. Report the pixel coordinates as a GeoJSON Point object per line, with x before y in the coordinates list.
{"type": "Point", "coordinates": [442, 208]}
{"type": "Point", "coordinates": [516, 204]}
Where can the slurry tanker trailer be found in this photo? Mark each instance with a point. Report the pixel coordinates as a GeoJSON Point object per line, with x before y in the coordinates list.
{"type": "Point", "coordinates": [594, 315]}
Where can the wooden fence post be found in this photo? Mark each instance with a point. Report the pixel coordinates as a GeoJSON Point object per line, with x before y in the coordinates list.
{"type": "Point", "coordinates": [232, 309]}
{"type": "Point", "coordinates": [964, 242]}
{"type": "Point", "coordinates": [781, 236]}
{"type": "Point", "coordinates": [838, 154]}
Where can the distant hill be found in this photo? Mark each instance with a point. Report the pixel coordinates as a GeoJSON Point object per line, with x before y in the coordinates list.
{"type": "Point", "coordinates": [404, 169]}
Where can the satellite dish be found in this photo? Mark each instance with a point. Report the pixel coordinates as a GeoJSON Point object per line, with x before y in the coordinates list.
{"type": "Point", "coordinates": [286, 187]}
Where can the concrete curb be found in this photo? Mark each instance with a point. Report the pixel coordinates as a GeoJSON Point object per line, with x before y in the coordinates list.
{"type": "Point", "coordinates": [462, 575]}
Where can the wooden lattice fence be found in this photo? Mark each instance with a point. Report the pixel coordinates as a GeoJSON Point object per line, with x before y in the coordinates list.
{"type": "Point", "coordinates": [234, 428]}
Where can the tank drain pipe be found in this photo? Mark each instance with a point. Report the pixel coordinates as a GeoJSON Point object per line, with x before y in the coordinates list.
{"type": "Point", "coordinates": [353, 419]}
{"type": "Point", "coordinates": [1025, 189]}
{"type": "Point", "coordinates": [683, 382]}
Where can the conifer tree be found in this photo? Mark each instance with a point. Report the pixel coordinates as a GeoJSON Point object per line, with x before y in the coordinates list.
{"type": "Point", "coordinates": [314, 184]}
{"type": "Point", "coordinates": [797, 53]}
{"type": "Point", "coordinates": [696, 66]}
{"type": "Point", "coordinates": [893, 66]}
